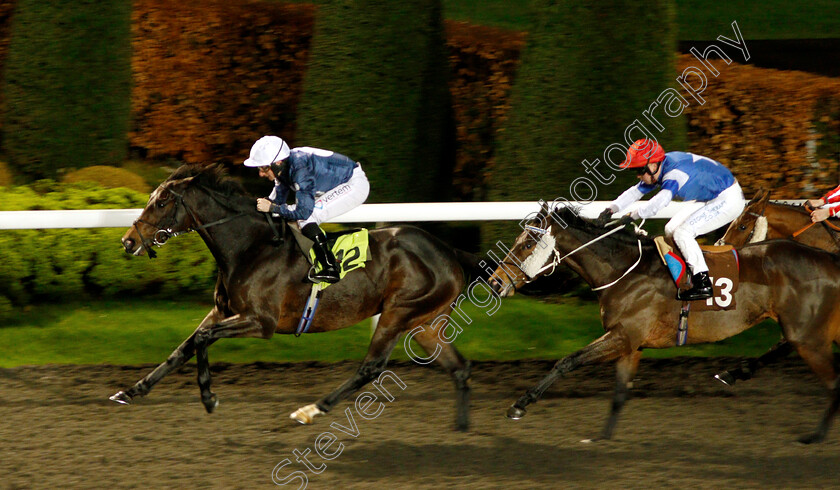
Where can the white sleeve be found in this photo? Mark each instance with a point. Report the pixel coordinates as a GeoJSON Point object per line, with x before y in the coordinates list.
{"type": "Point", "coordinates": [657, 203]}
{"type": "Point", "coordinates": [627, 198]}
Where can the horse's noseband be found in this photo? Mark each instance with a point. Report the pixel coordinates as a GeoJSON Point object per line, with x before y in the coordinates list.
{"type": "Point", "coordinates": [163, 234]}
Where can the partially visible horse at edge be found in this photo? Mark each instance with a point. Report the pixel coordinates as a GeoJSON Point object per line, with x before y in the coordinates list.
{"type": "Point", "coordinates": [261, 289]}
{"type": "Point", "coordinates": [762, 220]}
{"type": "Point", "coordinates": [791, 283]}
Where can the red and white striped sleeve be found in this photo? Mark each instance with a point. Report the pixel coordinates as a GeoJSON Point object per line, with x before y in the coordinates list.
{"type": "Point", "coordinates": [832, 195]}
{"type": "Point", "coordinates": [834, 209]}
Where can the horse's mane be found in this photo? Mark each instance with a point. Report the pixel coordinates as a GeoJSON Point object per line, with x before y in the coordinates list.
{"type": "Point", "coordinates": [571, 216]}
{"type": "Point", "coordinates": [789, 205]}
{"type": "Point", "coordinates": [215, 178]}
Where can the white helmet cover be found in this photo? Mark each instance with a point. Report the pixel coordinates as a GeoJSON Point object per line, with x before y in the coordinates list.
{"type": "Point", "coordinates": [267, 150]}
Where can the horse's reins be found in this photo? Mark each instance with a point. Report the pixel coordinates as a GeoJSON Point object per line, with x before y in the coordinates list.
{"type": "Point", "coordinates": [824, 222]}
{"type": "Point", "coordinates": [162, 235]}
{"type": "Point", "coordinates": [557, 259]}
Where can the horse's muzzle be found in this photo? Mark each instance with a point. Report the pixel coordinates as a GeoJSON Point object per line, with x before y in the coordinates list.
{"type": "Point", "coordinates": [502, 289]}
{"type": "Point", "coordinates": [131, 246]}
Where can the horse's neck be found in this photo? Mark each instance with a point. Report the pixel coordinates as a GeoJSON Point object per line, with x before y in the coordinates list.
{"type": "Point", "coordinates": [595, 263]}
{"type": "Point", "coordinates": [783, 222]}
{"type": "Point", "coordinates": [229, 241]}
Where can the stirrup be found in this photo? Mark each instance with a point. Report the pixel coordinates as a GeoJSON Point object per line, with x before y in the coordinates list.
{"type": "Point", "coordinates": [694, 294]}
{"type": "Point", "coordinates": [321, 276]}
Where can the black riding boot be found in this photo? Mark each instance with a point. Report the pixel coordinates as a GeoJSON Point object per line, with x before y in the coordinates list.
{"type": "Point", "coordinates": [329, 268]}
{"type": "Point", "coordinates": [701, 288]}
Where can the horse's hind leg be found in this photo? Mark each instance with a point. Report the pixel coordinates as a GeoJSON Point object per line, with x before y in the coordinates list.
{"type": "Point", "coordinates": [455, 364]}
{"type": "Point", "coordinates": [176, 359]}
{"type": "Point", "coordinates": [821, 360]}
{"type": "Point", "coordinates": [381, 345]}
{"type": "Point", "coordinates": [609, 346]}
{"type": "Point", "coordinates": [748, 367]}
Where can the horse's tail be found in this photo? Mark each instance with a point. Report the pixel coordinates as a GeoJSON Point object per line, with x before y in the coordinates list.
{"type": "Point", "coordinates": [474, 266]}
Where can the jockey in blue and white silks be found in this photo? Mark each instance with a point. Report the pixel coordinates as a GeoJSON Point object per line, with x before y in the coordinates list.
{"type": "Point", "coordinates": [325, 185]}
{"type": "Point", "coordinates": [687, 177]}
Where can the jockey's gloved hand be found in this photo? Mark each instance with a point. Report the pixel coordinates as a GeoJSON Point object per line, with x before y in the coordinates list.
{"type": "Point", "coordinates": [604, 217]}
{"type": "Point", "coordinates": [625, 220]}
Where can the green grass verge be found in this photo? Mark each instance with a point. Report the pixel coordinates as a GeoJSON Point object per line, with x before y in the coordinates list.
{"type": "Point", "coordinates": [146, 331]}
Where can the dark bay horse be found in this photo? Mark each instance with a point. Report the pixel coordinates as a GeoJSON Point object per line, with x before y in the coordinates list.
{"type": "Point", "coordinates": [763, 220]}
{"type": "Point", "coordinates": [261, 289]}
{"type": "Point", "coordinates": [791, 283]}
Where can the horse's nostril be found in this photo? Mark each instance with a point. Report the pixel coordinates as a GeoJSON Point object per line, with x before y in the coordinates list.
{"type": "Point", "coordinates": [128, 243]}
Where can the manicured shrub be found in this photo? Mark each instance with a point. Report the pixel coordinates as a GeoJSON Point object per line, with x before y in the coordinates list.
{"type": "Point", "coordinates": [584, 78]}
{"type": "Point", "coordinates": [67, 86]}
{"type": "Point", "coordinates": [66, 264]}
{"type": "Point", "coordinates": [109, 178]}
{"type": "Point", "coordinates": [376, 90]}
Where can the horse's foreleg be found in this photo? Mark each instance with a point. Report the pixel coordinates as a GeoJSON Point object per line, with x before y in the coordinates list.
{"type": "Point", "coordinates": [748, 367]}
{"type": "Point", "coordinates": [455, 364]}
{"type": "Point", "coordinates": [609, 346]}
{"type": "Point", "coordinates": [178, 358]}
{"type": "Point", "coordinates": [626, 368]}
{"type": "Point", "coordinates": [235, 326]}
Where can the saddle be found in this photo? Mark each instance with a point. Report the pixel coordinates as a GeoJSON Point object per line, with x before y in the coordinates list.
{"type": "Point", "coordinates": [724, 271]}
{"type": "Point", "coordinates": [350, 248]}
{"type": "Point", "coordinates": [351, 251]}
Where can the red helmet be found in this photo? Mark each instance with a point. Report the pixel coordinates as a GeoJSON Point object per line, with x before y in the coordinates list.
{"type": "Point", "coordinates": [642, 152]}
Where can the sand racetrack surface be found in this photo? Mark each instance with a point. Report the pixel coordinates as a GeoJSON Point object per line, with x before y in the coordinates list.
{"type": "Point", "coordinates": [680, 429]}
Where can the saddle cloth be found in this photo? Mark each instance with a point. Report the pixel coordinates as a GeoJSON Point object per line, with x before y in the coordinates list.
{"type": "Point", "coordinates": [724, 271]}
{"type": "Point", "coordinates": [350, 248]}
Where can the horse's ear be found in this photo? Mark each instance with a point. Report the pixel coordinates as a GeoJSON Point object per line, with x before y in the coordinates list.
{"type": "Point", "coordinates": [761, 198]}
{"type": "Point", "coordinates": [185, 180]}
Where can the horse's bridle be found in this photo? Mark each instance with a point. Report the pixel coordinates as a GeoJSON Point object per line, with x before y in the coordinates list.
{"type": "Point", "coordinates": [557, 259]}
{"type": "Point", "coordinates": [757, 217]}
{"type": "Point", "coordinates": [163, 234]}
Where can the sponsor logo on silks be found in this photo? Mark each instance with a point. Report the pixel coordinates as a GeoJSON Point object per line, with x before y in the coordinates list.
{"type": "Point", "coordinates": [338, 191]}
{"type": "Point", "coordinates": [676, 266]}
{"type": "Point", "coordinates": [319, 204]}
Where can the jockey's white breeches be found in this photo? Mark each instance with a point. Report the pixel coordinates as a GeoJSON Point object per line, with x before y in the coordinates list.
{"type": "Point", "coordinates": [691, 222]}
{"type": "Point", "coordinates": [339, 199]}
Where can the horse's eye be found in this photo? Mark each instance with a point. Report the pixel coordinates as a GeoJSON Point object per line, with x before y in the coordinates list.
{"type": "Point", "coordinates": [162, 202]}
{"type": "Point", "coordinates": [742, 227]}
{"type": "Point", "coordinates": [529, 246]}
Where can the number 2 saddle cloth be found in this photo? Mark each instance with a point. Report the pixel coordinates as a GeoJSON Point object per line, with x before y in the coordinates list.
{"type": "Point", "coordinates": [350, 248]}
{"type": "Point", "coordinates": [724, 270]}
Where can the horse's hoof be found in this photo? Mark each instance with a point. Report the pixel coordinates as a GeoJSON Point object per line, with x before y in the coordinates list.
{"type": "Point", "coordinates": [305, 415]}
{"type": "Point", "coordinates": [726, 378]}
{"type": "Point", "coordinates": [211, 403]}
{"type": "Point", "coordinates": [811, 438]}
{"type": "Point", "coordinates": [515, 413]}
{"type": "Point", "coordinates": [121, 397]}
{"type": "Point", "coordinates": [595, 439]}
